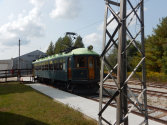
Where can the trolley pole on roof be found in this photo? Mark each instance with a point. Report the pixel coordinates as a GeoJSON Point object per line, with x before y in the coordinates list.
{"type": "Point", "coordinates": [118, 39]}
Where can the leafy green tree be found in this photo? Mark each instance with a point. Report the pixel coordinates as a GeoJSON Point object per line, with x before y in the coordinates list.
{"type": "Point", "coordinates": [112, 56]}
{"type": "Point", "coordinates": [67, 42]}
{"type": "Point", "coordinates": [164, 58]}
{"type": "Point", "coordinates": [79, 43]}
{"type": "Point", "coordinates": [58, 46]}
{"type": "Point", "coordinates": [62, 43]}
{"type": "Point", "coordinates": [133, 56]}
{"type": "Point", "coordinates": [50, 50]}
{"type": "Point", "coordinates": [155, 47]}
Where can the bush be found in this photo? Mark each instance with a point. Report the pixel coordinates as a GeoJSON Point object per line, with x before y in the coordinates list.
{"type": "Point", "coordinates": [152, 76]}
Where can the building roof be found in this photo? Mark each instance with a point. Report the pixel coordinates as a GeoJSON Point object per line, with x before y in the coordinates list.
{"type": "Point", "coordinates": [36, 51]}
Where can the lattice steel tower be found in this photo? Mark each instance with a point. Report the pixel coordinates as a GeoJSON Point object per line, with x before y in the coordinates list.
{"type": "Point", "coordinates": [118, 38]}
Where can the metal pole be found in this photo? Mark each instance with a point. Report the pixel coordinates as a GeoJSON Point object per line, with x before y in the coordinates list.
{"type": "Point", "coordinates": [121, 69]}
{"type": "Point", "coordinates": [102, 63]}
{"type": "Point", "coordinates": [143, 63]}
{"type": "Point", "coordinates": [6, 76]}
{"type": "Point", "coordinates": [19, 63]}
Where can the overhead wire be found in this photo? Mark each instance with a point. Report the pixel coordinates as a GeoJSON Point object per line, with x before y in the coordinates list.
{"type": "Point", "coordinates": [88, 25]}
{"type": "Point", "coordinates": [36, 19]}
{"type": "Point", "coordinates": [97, 21]}
{"type": "Point", "coordinates": [74, 31]}
{"type": "Point", "coordinates": [31, 27]}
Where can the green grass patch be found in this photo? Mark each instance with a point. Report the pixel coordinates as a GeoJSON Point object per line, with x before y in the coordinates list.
{"type": "Point", "coordinates": [22, 105]}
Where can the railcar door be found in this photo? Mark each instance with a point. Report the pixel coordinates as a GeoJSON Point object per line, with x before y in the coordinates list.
{"type": "Point", "coordinates": [69, 68]}
{"type": "Point", "coordinates": [91, 67]}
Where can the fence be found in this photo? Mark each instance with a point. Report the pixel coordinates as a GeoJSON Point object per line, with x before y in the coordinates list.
{"type": "Point", "coordinates": [16, 73]}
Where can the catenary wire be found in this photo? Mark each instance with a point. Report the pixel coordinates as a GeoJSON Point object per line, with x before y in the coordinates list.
{"type": "Point", "coordinates": [74, 31]}
{"type": "Point", "coordinates": [31, 27]}
{"type": "Point", "coordinates": [36, 19]}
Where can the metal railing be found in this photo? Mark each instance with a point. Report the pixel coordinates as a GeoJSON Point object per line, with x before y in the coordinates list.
{"type": "Point", "coordinates": [16, 73]}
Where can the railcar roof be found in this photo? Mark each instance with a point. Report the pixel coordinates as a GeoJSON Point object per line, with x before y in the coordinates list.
{"type": "Point", "coordinates": [79, 51]}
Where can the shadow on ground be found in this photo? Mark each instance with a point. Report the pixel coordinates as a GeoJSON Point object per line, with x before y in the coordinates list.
{"type": "Point", "coordinates": [14, 119]}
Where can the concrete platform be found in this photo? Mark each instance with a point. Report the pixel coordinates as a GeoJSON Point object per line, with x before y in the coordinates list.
{"type": "Point", "coordinates": [86, 106]}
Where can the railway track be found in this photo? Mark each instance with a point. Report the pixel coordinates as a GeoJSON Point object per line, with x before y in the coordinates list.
{"type": "Point", "coordinates": [151, 109]}
{"type": "Point", "coordinates": [137, 90]}
{"type": "Point", "coordinates": [149, 84]}
{"type": "Point", "coordinates": [154, 113]}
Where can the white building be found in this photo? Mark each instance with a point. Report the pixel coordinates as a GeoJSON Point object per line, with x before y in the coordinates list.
{"type": "Point", "coordinates": [25, 61]}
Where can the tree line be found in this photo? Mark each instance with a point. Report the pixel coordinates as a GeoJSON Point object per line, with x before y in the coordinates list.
{"type": "Point", "coordinates": [155, 50]}
{"type": "Point", "coordinates": [62, 43]}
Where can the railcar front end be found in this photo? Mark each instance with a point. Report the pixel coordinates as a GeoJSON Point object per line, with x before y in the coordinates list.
{"type": "Point", "coordinates": [85, 73]}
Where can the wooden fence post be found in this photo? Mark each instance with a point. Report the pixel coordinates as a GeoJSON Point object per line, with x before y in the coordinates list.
{"type": "Point", "coordinates": [6, 76]}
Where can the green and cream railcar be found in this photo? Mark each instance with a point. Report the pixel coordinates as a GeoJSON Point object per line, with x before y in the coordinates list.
{"type": "Point", "coordinates": [77, 70]}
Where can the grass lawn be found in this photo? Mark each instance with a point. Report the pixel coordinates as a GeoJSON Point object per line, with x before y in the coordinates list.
{"type": "Point", "coordinates": [22, 105]}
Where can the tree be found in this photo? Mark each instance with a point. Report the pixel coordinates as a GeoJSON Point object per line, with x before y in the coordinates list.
{"type": "Point", "coordinates": [78, 42]}
{"type": "Point", "coordinates": [133, 56]}
{"type": "Point", "coordinates": [57, 48]}
{"type": "Point", "coordinates": [155, 47]}
{"type": "Point", "coordinates": [50, 50]}
{"type": "Point", "coordinates": [62, 43]}
{"type": "Point", "coordinates": [164, 58]}
{"type": "Point", "coordinates": [112, 56]}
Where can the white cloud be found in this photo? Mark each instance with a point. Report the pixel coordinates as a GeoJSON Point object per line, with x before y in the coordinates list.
{"type": "Point", "coordinates": [3, 49]}
{"type": "Point", "coordinates": [38, 3]}
{"type": "Point", "coordinates": [66, 9]}
{"type": "Point", "coordinates": [11, 16]}
{"type": "Point", "coordinates": [23, 27]}
{"type": "Point", "coordinates": [95, 40]}
{"type": "Point", "coordinates": [145, 9]}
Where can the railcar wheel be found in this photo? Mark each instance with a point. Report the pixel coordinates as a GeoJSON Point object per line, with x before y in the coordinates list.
{"type": "Point", "coordinates": [62, 86]}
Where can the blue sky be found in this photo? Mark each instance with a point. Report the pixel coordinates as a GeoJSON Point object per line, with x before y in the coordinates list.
{"type": "Point", "coordinates": [38, 22]}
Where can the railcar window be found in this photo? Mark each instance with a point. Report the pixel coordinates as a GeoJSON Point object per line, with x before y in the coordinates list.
{"type": "Point", "coordinates": [46, 65]}
{"type": "Point", "coordinates": [90, 62]}
{"type": "Point", "coordinates": [97, 62]}
{"type": "Point", "coordinates": [69, 63]}
{"type": "Point", "coordinates": [62, 64]}
{"type": "Point", "coordinates": [56, 65]}
{"type": "Point", "coordinates": [34, 66]}
{"type": "Point", "coordinates": [43, 65]}
{"type": "Point", "coordinates": [39, 66]}
{"type": "Point", "coordinates": [50, 65]}
{"type": "Point", "coordinates": [80, 62]}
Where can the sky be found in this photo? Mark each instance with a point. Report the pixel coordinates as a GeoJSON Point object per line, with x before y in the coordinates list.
{"type": "Point", "coordinates": [38, 22]}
